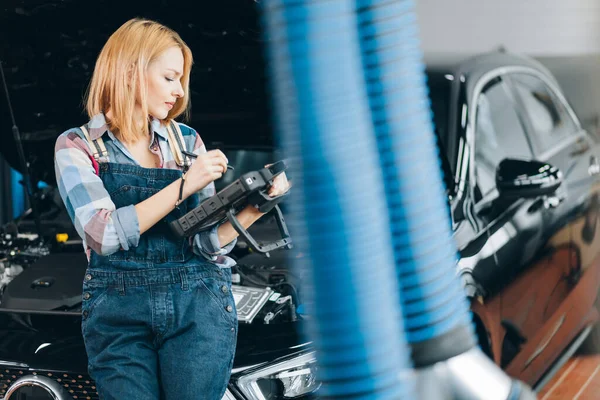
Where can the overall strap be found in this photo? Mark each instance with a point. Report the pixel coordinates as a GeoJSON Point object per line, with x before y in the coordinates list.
{"type": "Point", "coordinates": [177, 145]}
{"type": "Point", "coordinates": [100, 153]}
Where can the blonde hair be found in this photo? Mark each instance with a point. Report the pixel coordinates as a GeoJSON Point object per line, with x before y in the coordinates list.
{"type": "Point", "coordinates": [119, 78]}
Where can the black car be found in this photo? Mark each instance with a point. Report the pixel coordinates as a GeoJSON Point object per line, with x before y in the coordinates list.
{"type": "Point", "coordinates": [521, 177]}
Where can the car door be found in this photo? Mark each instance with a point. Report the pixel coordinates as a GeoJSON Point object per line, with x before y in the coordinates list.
{"type": "Point", "coordinates": [572, 242]}
{"type": "Point", "coordinates": [514, 228]}
{"type": "Point", "coordinates": [558, 139]}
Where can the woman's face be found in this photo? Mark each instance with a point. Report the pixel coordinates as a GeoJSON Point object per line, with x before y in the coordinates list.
{"type": "Point", "coordinates": [164, 82]}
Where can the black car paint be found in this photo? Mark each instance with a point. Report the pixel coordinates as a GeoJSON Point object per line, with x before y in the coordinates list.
{"type": "Point", "coordinates": [52, 341]}
{"type": "Point", "coordinates": [503, 238]}
{"type": "Point", "coordinates": [473, 225]}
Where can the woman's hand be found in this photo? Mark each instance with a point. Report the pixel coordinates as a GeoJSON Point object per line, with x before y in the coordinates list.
{"type": "Point", "coordinates": [280, 185]}
{"type": "Point", "coordinates": [206, 168]}
{"type": "Point", "coordinates": [250, 214]}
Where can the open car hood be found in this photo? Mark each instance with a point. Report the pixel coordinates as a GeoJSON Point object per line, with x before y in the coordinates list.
{"type": "Point", "coordinates": [50, 49]}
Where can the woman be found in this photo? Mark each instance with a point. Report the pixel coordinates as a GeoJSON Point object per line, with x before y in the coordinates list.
{"type": "Point", "coordinates": [159, 319]}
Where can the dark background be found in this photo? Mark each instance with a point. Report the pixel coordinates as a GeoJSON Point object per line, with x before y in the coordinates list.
{"type": "Point", "coordinates": [49, 48]}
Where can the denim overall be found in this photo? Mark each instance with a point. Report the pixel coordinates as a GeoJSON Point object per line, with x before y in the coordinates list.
{"type": "Point", "coordinates": [159, 322]}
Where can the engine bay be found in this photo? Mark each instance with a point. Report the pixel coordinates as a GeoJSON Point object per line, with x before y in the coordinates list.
{"type": "Point", "coordinates": [17, 252]}
{"type": "Point", "coordinates": [45, 274]}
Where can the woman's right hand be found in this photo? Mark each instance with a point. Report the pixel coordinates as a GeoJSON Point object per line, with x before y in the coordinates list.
{"type": "Point", "coordinates": [205, 169]}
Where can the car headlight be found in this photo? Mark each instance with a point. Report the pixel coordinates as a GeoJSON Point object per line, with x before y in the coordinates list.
{"type": "Point", "coordinates": [293, 378]}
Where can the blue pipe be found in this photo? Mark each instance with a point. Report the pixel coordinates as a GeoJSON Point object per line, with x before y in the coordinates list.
{"type": "Point", "coordinates": [434, 303]}
{"type": "Point", "coordinates": [324, 125]}
{"type": "Point", "coordinates": [436, 314]}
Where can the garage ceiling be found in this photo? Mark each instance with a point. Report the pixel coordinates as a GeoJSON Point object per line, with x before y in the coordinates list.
{"type": "Point", "coordinates": [536, 27]}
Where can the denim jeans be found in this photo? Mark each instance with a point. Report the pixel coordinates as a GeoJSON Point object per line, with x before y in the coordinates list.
{"type": "Point", "coordinates": [166, 333]}
{"type": "Point", "coordinates": [158, 321]}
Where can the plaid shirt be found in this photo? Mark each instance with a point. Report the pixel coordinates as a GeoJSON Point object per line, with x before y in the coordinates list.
{"type": "Point", "coordinates": [103, 228]}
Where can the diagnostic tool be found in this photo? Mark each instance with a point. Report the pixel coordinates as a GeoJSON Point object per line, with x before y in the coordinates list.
{"type": "Point", "coordinates": [249, 189]}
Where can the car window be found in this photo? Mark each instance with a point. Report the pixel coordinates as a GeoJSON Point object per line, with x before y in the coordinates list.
{"type": "Point", "coordinates": [499, 134]}
{"type": "Point", "coordinates": [439, 95]}
{"type": "Point", "coordinates": [439, 86]}
{"type": "Point", "coordinates": [549, 118]}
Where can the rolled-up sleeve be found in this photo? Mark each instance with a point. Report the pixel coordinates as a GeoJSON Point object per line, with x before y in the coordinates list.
{"type": "Point", "coordinates": [103, 228]}
{"type": "Point", "coordinates": [206, 244]}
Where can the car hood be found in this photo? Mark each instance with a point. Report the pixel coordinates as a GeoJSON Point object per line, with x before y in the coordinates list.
{"type": "Point", "coordinates": [53, 341]}
{"type": "Point", "coordinates": [51, 47]}
{"type": "Point", "coordinates": [42, 341]}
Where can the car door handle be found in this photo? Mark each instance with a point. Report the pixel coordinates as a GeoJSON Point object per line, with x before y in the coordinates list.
{"type": "Point", "coordinates": [594, 168]}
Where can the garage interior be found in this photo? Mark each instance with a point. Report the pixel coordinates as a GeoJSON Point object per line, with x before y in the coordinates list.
{"type": "Point", "coordinates": [473, 39]}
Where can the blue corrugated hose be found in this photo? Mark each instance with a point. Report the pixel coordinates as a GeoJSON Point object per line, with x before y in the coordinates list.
{"type": "Point", "coordinates": [436, 314]}
{"type": "Point", "coordinates": [337, 208]}
{"type": "Point", "coordinates": [368, 209]}
{"type": "Point", "coordinates": [434, 303]}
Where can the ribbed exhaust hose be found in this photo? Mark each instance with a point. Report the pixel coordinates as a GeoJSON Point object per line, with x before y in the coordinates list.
{"type": "Point", "coordinates": [337, 206]}
{"type": "Point", "coordinates": [433, 299]}
{"type": "Point", "coordinates": [436, 314]}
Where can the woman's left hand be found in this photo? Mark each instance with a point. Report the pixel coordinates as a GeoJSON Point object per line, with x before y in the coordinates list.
{"type": "Point", "coordinates": [280, 185]}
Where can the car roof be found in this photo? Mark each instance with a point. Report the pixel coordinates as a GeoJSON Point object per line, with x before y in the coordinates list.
{"type": "Point", "coordinates": [473, 67]}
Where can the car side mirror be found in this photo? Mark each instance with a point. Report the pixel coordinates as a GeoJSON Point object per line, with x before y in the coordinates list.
{"type": "Point", "coordinates": [517, 179]}
{"type": "Point", "coordinates": [526, 178]}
